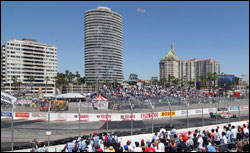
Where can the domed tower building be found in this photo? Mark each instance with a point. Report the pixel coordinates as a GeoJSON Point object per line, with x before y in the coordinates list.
{"type": "Point", "coordinates": [103, 45]}
{"type": "Point", "coordinates": [169, 64]}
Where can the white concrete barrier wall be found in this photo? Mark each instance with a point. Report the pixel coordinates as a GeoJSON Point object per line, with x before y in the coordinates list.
{"type": "Point", "coordinates": [84, 117]}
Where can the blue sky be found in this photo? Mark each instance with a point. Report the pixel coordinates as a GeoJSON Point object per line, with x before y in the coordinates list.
{"type": "Point", "coordinates": [200, 30]}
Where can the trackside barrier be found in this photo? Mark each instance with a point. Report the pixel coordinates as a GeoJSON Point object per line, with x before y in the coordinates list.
{"type": "Point", "coordinates": [147, 137]}
{"type": "Point", "coordinates": [84, 117]}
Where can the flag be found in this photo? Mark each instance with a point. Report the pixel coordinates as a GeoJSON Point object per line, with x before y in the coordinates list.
{"type": "Point", "coordinates": [7, 98]}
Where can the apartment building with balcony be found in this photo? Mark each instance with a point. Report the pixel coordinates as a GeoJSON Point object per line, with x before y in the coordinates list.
{"type": "Point", "coordinates": [33, 64]}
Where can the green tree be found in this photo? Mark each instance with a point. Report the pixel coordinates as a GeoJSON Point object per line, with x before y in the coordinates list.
{"type": "Point", "coordinates": [60, 79]}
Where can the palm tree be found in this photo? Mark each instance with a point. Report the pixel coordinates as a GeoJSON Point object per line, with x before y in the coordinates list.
{"type": "Point", "coordinates": [46, 79]}
{"type": "Point", "coordinates": [78, 77]}
{"type": "Point", "coordinates": [71, 77]}
{"type": "Point", "coordinates": [19, 83]}
{"type": "Point", "coordinates": [209, 79]}
{"type": "Point", "coordinates": [214, 79]}
{"type": "Point", "coordinates": [176, 81]}
{"type": "Point", "coordinates": [191, 83]}
{"type": "Point", "coordinates": [170, 78]}
{"type": "Point", "coordinates": [31, 79]}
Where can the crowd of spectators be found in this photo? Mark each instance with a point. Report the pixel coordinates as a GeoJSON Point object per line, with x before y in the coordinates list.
{"type": "Point", "coordinates": [230, 138]}
{"type": "Point", "coordinates": [145, 92]}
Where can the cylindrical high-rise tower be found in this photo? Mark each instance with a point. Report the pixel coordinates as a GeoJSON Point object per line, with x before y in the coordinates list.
{"type": "Point", "coordinates": [103, 45]}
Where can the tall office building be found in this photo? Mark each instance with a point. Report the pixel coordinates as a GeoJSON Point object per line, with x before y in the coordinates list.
{"type": "Point", "coordinates": [103, 45]}
{"type": "Point", "coordinates": [169, 64]}
{"type": "Point", "coordinates": [26, 59]}
{"type": "Point", "coordinates": [188, 70]}
{"type": "Point", "coordinates": [205, 66]}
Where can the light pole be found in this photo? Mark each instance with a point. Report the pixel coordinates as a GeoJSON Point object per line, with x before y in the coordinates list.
{"type": "Point", "coordinates": [152, 115]}
{"type": "Point", "coordinates": [131, 119]}
{"type": "Point", "coordinates": [12, 128]}
{"type": "Point", "coordinates": [170, 113]}
{"type": "Point", "coordinates": [202, 112]}
{"type": "Point", "coordinates": [48, 132]}
{"type": "Point", "coordinates": [79, 115]}
{"type": "Point", "coordinates": [187, 116]}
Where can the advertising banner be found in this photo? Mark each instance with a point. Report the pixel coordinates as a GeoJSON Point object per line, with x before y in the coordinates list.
{"type": "Point", "coordinates": [84, 117]}
{"type": "Point", "coordinates": [6, 114]}
{"type": "Point", "coordinates": [128, 117]}
{"type": "Point", "coordinates": [166, 114]}
{"type": "Point", "coordinates": [245, 107]}
{"type": "Point", "coordinates": [101, 105]}
{"type": "Point", "coordinates": [104, 117]}
{"type": "Point", "coordinates": [23, 115]}
{"type": "Point", "coordinates": [147, 116]}
{"type": "Point", "coordinates": [39, 116]}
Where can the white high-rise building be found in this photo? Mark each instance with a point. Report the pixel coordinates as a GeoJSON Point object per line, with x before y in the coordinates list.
{"type": "Point", "coordinates": [103, 45]}
{"type": "Point", "coordinates": [33, 64]}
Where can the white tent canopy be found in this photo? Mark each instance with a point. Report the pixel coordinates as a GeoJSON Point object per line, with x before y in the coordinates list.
{"type": "Point", "coordinates": [6, 98]}
{"type": "Point", "coordinates": [70, 95]}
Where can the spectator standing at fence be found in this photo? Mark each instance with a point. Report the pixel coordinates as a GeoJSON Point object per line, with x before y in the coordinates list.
{"type": "Point", "coordinates": [195, 140]}
{"type": "Point", "coordinates": [210, 148]}
{"type": "Point", "coordinates": [190, 144]}
{"type": "Point", "coordinates": [217, 137]}
{"type": "Point", "coordinates": [143, 147]}
{"type": "Point", "coordinates": [200, 142]}
{"type": "Point", "coordinates": [220, 131]}
{"type": "Point", "coordinates": [137, 147]}
{"type": "Point", "coordinates": [228, 135]}
{"type": "Point", "coordinates": [223, 143]}
{"type": "Point", "coordinates": [212, 136]}
{"type": "Point", "coordinates": [233, 134]}
{"type": "Point", "coordinates": [70, 146]}
{"type": "Point", "coordinates": [149, 148]}
{"type": "Point", "coordinates": [126, 148]}
{"type": "Point", "coordinates": [41, 147]}
{"type": "Point", "coordinates": [181, 147]}
{"type": "Point", "coordinates": [155, 136]}
{"type": "Point", "coordinates": [172, 146]}
{"type": "Point", "coordinates": [95, 140]}
{"type": "Point", "coordinates": [119, 148]}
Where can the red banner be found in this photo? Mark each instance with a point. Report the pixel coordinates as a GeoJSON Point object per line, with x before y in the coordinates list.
{"type": "Point", "coordinates": [26, 115]}
{"type": "Point", "coordinates": [145, 116]}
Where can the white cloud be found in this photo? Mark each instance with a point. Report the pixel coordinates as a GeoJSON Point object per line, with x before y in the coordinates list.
{"type": "Point", "coordinates": [143, 11]}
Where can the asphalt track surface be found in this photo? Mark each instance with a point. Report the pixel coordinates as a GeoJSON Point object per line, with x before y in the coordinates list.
{"type": "Point", "coordinates": [26, 131]}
